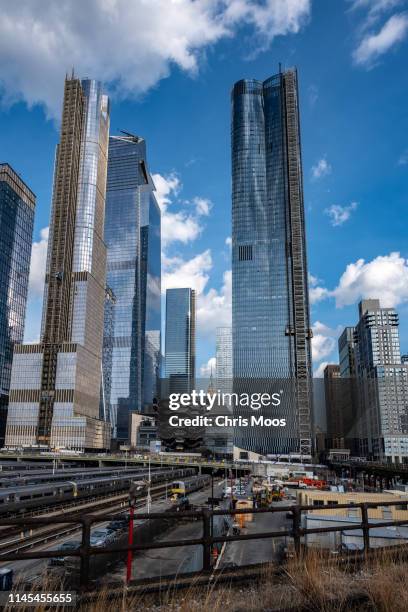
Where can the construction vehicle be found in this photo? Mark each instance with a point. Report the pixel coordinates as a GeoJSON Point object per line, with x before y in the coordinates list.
{"type": "Point", "coordinates": [241, 504]}
{"type": "Point", "coordinates": [277, 493]}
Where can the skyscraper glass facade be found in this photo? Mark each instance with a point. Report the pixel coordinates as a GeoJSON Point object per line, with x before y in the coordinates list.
{"type": "Point", "coordinates": [150, 239]}
{"type": "Point", "coordinates": [223, 437]}
{"type": "Point", "coordinates": [224, 357]}
{"type": "Point", "coordinates": [17, 206]}
{"type": "Point", "coordinates": [56, 384]}
{"type": "Point", "coordinates": [180, 338]}
{"type": "Point", "coordinates": [270, 308]}
{"type": "Point", "coordinates": [346, 353]}
{"type": "Point", "coordinates": [132, 236]}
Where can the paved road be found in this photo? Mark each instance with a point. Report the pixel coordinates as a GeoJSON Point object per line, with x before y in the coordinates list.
{"type": "Point", "coordinates": [170, 561]}
{"type": "Point", "coordinates": [32, 568]}
{"type": "Point", "coordinates": [260, 550]}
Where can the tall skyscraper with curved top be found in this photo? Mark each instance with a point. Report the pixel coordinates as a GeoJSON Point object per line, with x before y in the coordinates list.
{"type": "Point", "coordinates": [270, 306]}
{"type": "Point", "coordinates": [55, 384]}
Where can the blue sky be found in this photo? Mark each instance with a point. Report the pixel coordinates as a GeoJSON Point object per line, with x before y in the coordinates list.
{"type": "Point", "coordinates": [169, 66]}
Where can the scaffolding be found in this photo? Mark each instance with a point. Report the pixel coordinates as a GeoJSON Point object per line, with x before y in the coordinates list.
{"type": "Point", "coordinates": [301, 325]}
{"type": "Point", "coordinates": [59, 268]}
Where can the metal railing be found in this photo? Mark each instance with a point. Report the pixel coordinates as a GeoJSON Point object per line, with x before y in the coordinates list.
{"type": "Point", "coordinates": [207, 541]}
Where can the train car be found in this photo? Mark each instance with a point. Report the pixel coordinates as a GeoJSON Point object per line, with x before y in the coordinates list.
{"type": "Point", "coordinates": [181, 488]}
{"type": "Point", "coordinates": [18, 500]}
{"type": "Point", "coordinates": [63, 475]}
{"type": "Point", "coordinates": [178, 489]}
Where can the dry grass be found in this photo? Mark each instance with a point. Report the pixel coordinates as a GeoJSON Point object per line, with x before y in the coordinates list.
{"type": "Point", "coordinates": [309, 584]}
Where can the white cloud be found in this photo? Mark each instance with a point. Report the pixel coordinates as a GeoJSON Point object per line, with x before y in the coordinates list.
{"type": "Point", "coordinates": [319, 372]}
{"type": "Point", "coordinates": [385, 278]}
{"type": "Point", "coordinates": [321, 168]}
{"type": "Point", "coordinates": [270, 17]}
{"type": "Point", "coordinates": [228, 241]}
{"type": "Point", "coordinates": [202, 206]}
{"type": "Point", "coordinates": [208, 368]}
{"type": "Point", "coordinates": [323, 341]}
{"type": "Point", "coordinates": [181, 226]}
{"type": "Point", "coordinates": [340, 214]}
{"type": "Point", "coordinates": [166, 187]}
{"type": "Point", "coordinates": [37, 265]}
{"type": "Point", "coordinates": [192, 273]}
{"type": "Point", "coordinates": [403, 158]}
{"type": "Point", "coordinates": [313, 94]}
{"type": "Point", "coordinates": [375, 10]}
{"type": "Point", "coordinates": [373, 45]}
{"type": "Point", "coordinates": [129, 44]}
{"type": "Point", "coordinates": [316, 293]}
{"type": "Point", "coordinates": [375, 6]}
{"type": "Point", "coordinates": [214, 307]}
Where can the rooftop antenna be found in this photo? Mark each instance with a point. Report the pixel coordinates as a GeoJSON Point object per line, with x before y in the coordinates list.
{"type": "Point", "coordinates": [280, 68]}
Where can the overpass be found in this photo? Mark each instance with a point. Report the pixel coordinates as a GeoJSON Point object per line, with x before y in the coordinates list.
{"type": "Point", "coordinates": [370, 469]}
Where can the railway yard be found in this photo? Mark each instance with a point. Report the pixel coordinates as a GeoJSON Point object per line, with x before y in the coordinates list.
{"type": "Point", "coordinates": [73, 523]}
{"type": "Point", "coordinates": [39, 491]}
{"type": "Point", "coordinates": [66, 493]}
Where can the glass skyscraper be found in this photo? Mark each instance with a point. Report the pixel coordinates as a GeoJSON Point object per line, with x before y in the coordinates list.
{"type": "Point", "coordinates": [132, 236]}
{"type": "Point", "coordinates": [55, 385]}
{"type": "Point", "coordinates": [17, 206]}
{"type": "Point", "coordinates": [180, 339]}
{"type": "Point", "coordinates": [150, 239]}
{"type": "Point", "coordinates": [224, 357]}
{"type": "Point", "coordinates": [270, 307]}
{"type": "Point", "coordinates": [223, 436]}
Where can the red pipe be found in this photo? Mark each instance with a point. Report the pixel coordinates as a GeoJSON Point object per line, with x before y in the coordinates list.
{"type": "Point", "coordinates": [130, 542]}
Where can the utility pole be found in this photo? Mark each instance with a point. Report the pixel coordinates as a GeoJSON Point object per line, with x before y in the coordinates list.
{"type": "Point", "coordinates": [212, 502]}
{"type": "Point", "coordinates": [149, 499]}
{"type": "Point", "coordinates": [132, 502]}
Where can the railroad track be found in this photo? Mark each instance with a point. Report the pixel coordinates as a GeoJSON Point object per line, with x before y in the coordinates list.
{"type": "Point", "coordinates": [54, 508]}
{"type": "Point", "coordinates": [48, 534]}
{"type": "Point", "coordinates": [65, 508]}
{"type": "Point", "coordinates": [70, 510]}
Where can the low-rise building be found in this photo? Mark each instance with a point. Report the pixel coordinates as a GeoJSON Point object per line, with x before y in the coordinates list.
{"type": "Point", "coordinates": [323, 517]}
